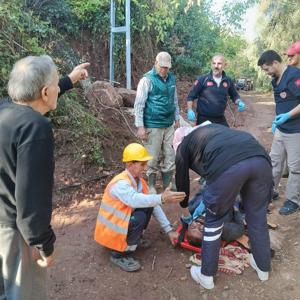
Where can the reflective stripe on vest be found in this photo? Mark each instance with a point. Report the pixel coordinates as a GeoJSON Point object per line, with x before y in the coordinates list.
{"type": "Point", "coordinates": [111, 225]}
{"type": "Point", "coordinates": [114, 216]}
{"type": "Point", "coordinates": [117, 213]}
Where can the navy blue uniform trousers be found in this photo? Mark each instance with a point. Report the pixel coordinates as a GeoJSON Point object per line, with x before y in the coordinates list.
{"type": "Point", "coordinates": [139, 221]}
{"type": "Point", "coordinates": [253, 179]}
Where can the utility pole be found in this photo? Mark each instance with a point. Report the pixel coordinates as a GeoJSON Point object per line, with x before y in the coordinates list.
{"type": "Point", "coordinates": [120, 29]}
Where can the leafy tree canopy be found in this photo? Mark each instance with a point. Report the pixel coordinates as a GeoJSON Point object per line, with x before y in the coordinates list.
{"type": "Point", "coordinates": [190, 30]}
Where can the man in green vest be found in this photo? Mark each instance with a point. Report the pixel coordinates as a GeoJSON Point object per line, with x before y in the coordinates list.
{"type": "Point", "coordinates": [156, 113]}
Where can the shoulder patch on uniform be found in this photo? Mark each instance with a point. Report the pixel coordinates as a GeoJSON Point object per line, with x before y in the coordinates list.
{"type": "Point", "coordinates": [209, 83]}
{"type": "Point", "coordinates": [225, 84]}
{"type": "Point", "coordinates": [196, 82]}
{"type": "Point", "coordinates": [282, 95]}
{"type": "Point", "coordinates": [297, 82]}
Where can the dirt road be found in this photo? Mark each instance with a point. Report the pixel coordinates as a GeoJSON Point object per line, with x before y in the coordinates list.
{"type": "Point", "coordinates": [83, 271]}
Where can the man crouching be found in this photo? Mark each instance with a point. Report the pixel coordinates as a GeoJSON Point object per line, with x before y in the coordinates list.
{"type": "Point", "coordinates": [126, 209]}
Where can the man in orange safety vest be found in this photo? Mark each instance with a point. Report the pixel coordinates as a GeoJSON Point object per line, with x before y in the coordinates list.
{"type": "Point", "coordinates": [126, 209]}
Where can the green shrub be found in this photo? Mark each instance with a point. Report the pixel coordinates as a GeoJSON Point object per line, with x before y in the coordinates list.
{"type": "Point", "coordinates": [76, 126]}
{"type": "Point", "coordinates": [21, 34]}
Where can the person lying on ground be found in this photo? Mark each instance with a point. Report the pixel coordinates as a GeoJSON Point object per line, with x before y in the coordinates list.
{"type": "Point", "coordinates": [234, 226]}
{"type": "Point", "coordinates": [232, 163]}
{"type": "Point", "coordinates": [126, 209]}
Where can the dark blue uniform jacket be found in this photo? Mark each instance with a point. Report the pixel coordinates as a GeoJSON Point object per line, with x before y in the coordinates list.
{"type": "Point", "coordinates": [287, 97]}
{"type": "Point", "coordinates": [212, 100]}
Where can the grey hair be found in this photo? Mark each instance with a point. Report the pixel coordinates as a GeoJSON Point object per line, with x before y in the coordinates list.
{"type": "Point", "coordinates": [28, 76]}
{"type": "Point", "coordinates": [218, 55]}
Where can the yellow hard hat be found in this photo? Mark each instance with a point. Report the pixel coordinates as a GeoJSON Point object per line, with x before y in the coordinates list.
{"type": "Point", "coordinates": [135, 152]}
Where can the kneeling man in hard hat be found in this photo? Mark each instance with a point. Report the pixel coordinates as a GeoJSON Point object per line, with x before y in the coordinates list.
{"type": "Point", "coordinates": [126, 209]}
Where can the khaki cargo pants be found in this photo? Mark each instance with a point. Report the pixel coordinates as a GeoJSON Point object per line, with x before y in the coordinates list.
{"type": "Point", "coordinates": [159, 145]}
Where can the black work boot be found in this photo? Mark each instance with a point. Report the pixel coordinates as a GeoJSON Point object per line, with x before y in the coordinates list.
{"type": "Point", "coordinates": [151, 183]}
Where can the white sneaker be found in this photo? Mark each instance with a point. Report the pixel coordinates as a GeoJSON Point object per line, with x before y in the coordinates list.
{"type": "Point", "coordinates": [263, 276]}
{"type": "Point", "coordinates": [206, 281]}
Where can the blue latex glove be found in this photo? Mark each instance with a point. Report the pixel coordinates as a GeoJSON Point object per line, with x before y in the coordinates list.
{"type": "Point", "coordinates": [191, 115]}
{"type": "Point", "coordinates": [241, 106]}
{"type": "Point", "coordinates": [199, 210]}
{"type": "Point", "coordinates": [273, 127]}
{"type": "Point", "coordinates": [282, 118]}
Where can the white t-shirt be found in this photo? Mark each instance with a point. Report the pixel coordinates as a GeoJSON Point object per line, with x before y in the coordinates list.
{"type": "Point", "coordinates": [217, 80]}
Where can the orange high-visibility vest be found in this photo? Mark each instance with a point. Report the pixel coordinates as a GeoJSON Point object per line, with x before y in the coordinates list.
{"type": "Point", "coordinates": [113, 217]}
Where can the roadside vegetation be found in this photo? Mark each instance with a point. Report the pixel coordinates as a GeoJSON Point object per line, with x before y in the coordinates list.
{"type": "Point", "coordinates": [73, 31]}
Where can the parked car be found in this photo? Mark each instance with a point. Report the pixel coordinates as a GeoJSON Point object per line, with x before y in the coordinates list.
{"type": "Point", "coordinates": [240, 83]}
{"type": "Point", "coordinates": [244, 84]}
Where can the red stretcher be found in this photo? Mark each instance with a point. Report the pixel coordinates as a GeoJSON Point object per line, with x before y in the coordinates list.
{"type": "Point", "coordinates": [183, 242]}
{"type": "Point", "coordinates": [231, 261]}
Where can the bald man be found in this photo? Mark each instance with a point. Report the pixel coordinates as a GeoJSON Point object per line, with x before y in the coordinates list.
{"type": "Point", "coordinates": [211, 92]}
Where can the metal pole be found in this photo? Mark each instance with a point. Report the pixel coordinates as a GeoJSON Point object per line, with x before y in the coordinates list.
{"type": "Point", "coordinates": [111, 46]}
{"type": "Point", "coordinates": [128, 46]}
{"type": "Point", "coordinates": [120, 29]}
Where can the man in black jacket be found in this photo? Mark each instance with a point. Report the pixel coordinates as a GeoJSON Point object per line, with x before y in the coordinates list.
{"type": "Point", "coordinates": [26, 168]}
{"type": "Point", "coordinates": [232, 162]}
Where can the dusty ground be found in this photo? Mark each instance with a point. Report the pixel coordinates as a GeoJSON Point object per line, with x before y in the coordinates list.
{"type": "Point", "coordinates": [83, 270]}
